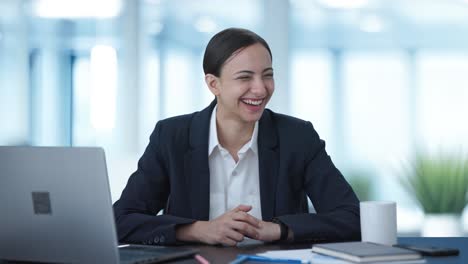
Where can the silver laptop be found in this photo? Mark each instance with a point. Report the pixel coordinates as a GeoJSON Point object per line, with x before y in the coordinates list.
{"type": "Point", "coordinates": [55, 206]}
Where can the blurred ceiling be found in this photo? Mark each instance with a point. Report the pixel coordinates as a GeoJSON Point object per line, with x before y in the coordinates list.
{"type": "Point", "coordinates": [311, 13]}
{"type": "Point", "coordinates": [315, 23]}
{"type": "Point", "coordinates": [422, 12]}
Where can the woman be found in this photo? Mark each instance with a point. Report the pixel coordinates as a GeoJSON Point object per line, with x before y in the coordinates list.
{"type": "Point", "coordinates": [236, 169]}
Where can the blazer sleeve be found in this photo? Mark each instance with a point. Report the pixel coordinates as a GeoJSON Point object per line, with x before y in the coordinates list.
{"type": "Point", "coordinates": [337, 206]}
{"type": "Point", "coordinates": [145, 194]}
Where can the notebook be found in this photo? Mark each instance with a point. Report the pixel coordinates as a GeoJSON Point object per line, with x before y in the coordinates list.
{"type": "Point", "coordinates": [58, 209]}
{"type": "Point", "coordinates": [364, 252]}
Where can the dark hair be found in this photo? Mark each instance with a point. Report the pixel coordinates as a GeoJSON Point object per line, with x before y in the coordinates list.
{"type": "Point", "coordinates": [224, 44]}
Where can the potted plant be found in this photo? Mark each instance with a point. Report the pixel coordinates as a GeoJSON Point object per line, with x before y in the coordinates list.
{"type": "Point", "coordinates": [361, 183]}
{"type": "Point", "coordinates": [439, 184]}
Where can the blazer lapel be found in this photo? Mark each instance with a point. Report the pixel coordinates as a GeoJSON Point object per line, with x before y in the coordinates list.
{"type": "Point", "coordinates": [196, 166]}
{"type": "Point", "coordinates": [197, 170]}
{"type": "Point", "coordinates": [268, 158]}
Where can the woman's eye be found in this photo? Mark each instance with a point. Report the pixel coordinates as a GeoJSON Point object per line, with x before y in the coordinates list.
{"type": "Point", "coordinates": [268, 75]}
{"type": "Point", "coordinates": [243, 77]}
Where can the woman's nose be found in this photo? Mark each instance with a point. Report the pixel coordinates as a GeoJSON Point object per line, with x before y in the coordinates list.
{"type": "Point", "coordinates": [259, 86]}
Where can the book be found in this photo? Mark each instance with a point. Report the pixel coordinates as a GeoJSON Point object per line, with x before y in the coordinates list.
{"type": "Point", "coordinates": [364, 252]}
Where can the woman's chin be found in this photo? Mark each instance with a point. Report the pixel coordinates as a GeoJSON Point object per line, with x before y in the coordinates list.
{"type": "Point", "coordinates": [252, 117]}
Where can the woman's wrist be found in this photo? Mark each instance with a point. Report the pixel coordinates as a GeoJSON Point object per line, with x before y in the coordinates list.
{"type": "Point", "coordinates": [189, 232]}
{"type": "Point", "coordinates": [283, 230]}
{"type": "Point", "coordinates": [277, 232]}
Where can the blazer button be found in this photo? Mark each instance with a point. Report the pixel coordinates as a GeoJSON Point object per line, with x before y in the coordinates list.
{"type": "Point", "coordinates": [156, 240]}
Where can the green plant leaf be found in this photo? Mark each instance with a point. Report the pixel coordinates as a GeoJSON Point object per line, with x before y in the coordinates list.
{"type": "Point", "coordinates": [439, 183]}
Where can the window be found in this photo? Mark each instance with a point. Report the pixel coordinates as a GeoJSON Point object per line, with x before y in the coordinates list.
{"type": "Point", "coordinates": [311, 91]}
{"type": "Point", "coordinates": [442, 100]}
{"type": "Point", "coordinates": [377, 108]}
{"type": "Point", "coordinates": [94, 100]}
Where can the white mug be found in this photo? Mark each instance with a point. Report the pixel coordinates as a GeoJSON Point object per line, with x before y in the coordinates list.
{"type": "Point", "coordinates": [378, 222]}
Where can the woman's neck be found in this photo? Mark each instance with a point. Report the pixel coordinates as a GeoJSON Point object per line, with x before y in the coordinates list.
{"type": "Point", "coordinates": [233, 134]}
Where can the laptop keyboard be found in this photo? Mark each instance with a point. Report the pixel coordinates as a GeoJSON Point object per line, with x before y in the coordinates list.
{"type": "Point", "coordinates": [146, 254]}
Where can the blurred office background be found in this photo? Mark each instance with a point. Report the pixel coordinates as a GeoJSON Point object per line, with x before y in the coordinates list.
{"type": "Point", "coordinates": [379, 79]}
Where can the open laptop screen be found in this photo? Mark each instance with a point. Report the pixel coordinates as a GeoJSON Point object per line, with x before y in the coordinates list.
{"type": "Point", "coordinates": [56, 206]}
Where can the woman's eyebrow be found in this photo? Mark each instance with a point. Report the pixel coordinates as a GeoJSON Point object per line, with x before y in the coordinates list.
{"type": "Point", "coordinates": [244, 71]}
{"type": "Point", "coordinates": [251, 72]}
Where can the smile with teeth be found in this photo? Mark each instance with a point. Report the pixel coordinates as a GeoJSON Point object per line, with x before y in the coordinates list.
{"type": "Point", "coordinates": [252, 102]}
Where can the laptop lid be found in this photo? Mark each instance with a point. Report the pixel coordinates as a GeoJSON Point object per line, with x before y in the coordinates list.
{"type": "Point", "coordinates": [56, 206]}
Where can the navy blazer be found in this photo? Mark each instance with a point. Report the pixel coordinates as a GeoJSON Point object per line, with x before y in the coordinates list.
{"type": "Point", "coordinates": [173, 174]}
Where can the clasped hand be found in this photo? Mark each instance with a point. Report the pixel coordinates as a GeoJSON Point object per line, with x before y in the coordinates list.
{"type": "Point", "coordinates": [230, 228]}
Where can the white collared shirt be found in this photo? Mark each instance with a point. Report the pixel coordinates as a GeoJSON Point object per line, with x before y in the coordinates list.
{"type": "Point", "coordinates": [231, 183]}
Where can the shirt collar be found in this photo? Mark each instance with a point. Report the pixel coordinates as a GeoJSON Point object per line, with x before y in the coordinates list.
{"type": "Point", "coordinates": [253, 140]}
{"type": "Point", "coordinates": [213, 137]}
{"type": "Point", "coordinates": [213, 141]}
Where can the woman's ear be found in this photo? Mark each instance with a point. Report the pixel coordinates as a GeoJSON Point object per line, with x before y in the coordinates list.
{"type": "Point", "coordinates": [213, 83]}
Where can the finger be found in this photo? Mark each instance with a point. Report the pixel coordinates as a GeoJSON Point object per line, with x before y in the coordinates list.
{"type": "Point", "coordinates": [247, 218]}
{"type": "Point", "coordinates": [234, 235]}
{"type": "Point", "coordinates": [243, 208]}
{"type": "Point", "coordinates": [228, 242]}
{"type": "Point", "coordinates": [245, 229]}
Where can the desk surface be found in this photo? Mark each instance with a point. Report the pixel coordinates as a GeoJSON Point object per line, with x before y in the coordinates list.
{"type": "Point", "coordinates": [227, 254]}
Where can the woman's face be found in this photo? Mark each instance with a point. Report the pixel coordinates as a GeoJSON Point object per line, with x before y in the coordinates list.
{"type": "Point", "coordinates": [245, 84]}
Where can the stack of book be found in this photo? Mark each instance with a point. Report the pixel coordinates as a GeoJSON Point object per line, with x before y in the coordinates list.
{"type": "Point", "coordinates": [364, 252]}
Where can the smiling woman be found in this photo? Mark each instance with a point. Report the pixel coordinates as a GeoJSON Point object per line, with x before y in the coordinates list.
{"type": "Point", "coordinates": [236, 170]}
{"type": "Point", "coordinates": [244, 86]}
